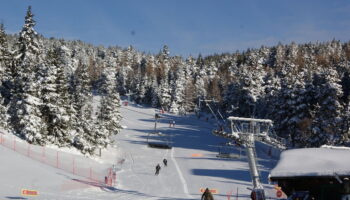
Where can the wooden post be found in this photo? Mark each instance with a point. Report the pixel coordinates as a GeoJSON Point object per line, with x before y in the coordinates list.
{"type": "Point", "coordinates": [14, 144]}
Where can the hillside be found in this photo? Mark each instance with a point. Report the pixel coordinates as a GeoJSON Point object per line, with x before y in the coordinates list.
{"type": "Point", "coordinates": [192, 164]}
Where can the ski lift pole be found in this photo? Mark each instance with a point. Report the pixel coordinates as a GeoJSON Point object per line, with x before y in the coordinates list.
{"type": "Point", "coordinates": [211, 110]}
{"type": "Point", "coordinates": [221, 115]}
{"type": "Point", "coordinates": [213, 113]}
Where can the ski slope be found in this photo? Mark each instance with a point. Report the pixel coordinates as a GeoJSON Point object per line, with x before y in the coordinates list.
{"type": "Point", "coordinates": [192, 165]}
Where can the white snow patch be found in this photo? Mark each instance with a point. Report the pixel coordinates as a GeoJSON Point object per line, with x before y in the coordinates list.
{"type": "Point", "coordinates": [313, 162]}
{"type": "Point", "coordinates": [124, 126]}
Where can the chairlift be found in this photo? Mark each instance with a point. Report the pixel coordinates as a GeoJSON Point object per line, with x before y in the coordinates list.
{"type": "Point", "coordinates": [227, 150]}
{"type": "Point", "coordinates": [158, 140]}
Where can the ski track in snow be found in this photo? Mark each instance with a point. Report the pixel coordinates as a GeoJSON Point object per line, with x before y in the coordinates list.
{"type": "Point", "coordinates": [184, 183]}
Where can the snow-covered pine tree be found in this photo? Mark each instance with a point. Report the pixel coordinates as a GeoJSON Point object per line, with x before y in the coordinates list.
{"type": "Point", "coordinates": [124, 68]}
{"type": "Point", "coordinates": [178, 91]}
{"type": "Point", "coordinates": [4, 51]}
{"type": "Point", "coordinates": [81, 88]}
{"type": "Point", "coordinates": [200, 87]}
{"type": "Point", "coordinates": [141, 80]}
{"type": "Point", "coordinates": [4, 65]}
{"type": "Point", "coordinates": [189, 97]}
{"type": "Point", "coordinates": [153, 93]}
{"type": "Point", "coordinates": [55, 98]}
{"type": "Point", "coordinates": [8, 69]}
{"type": "Point", "coordinates": [292, 107]}
{"type": "Point", "coordinates": [26, 120]}
{"type": "Point", "coordinates": [82, 122]}
{"type": "Point", "coordinates": [247, 92]}
{"type": "Point", "coordinates": [108, 113]}
{"type": "Point", "coordinates": [85, 134]}
{"type": "Point", "coordinates": [326, 128]}
{"type": "Point", "coordinates": [164, 94]}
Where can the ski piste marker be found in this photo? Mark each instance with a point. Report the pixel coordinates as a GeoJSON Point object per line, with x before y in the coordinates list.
{"type": "Point", "coordinates": [213, 191]}
{"type": "Point", "coordinates": [26, 192]}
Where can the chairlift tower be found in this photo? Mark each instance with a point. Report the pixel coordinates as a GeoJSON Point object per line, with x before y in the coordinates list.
{"type": "Point", "coordinates": [248, 130]}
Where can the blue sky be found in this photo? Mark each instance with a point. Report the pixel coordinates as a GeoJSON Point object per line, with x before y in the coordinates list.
{"type": "Point", "coordinates": [188, 27]}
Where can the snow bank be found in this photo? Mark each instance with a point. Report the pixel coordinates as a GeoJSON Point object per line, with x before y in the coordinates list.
{"type": "Point", "coordinates": [313, 162]}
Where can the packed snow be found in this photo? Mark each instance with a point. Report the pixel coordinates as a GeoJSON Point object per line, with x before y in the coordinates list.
{"type": "Point", "coordinates": [192, 165]}
{"type": "Point", "coordinates": [326, 161]}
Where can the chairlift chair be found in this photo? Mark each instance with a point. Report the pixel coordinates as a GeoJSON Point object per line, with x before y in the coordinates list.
{"type": "Point", "coordinates": [158, 140]}
{"type": "Point", "coordinates": [227, 151]}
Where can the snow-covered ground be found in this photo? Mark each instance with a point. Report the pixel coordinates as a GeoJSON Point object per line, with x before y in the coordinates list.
{"type": "Point", "coordinates": [192, 165]}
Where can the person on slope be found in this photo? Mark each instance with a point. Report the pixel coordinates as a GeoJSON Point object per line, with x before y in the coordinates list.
{"type": "Point", "coordinates": [165, 162]}
{"type": "Point", "coordinates": [157, 169]}
{"type": "Point", "coordinates": [207, 195]}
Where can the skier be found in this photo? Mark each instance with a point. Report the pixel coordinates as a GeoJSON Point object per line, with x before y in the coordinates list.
{"type": "Point", "coordinates": [207, 195]}
{"type": "Point", "coordinates": [165, 162]}
{"type": "Point", "coordinates": [157, 169]}
{"type": "Point", "coordinates": [174, 123]}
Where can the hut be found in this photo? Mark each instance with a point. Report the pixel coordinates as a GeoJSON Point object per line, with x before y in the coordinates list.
{"type": "Point", "coordinates": [321, 173]}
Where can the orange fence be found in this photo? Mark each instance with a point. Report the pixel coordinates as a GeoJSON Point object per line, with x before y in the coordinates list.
{"type": "Point", "coordinates": [74, 164]}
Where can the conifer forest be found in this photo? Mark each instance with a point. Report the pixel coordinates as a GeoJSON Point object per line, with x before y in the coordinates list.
{"type": "Point", "coordinates": [49, 88]}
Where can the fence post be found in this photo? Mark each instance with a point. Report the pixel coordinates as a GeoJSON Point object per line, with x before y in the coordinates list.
{"type": "Point", "coordinates": [237, 194]}
{"type": "Point", "coordinates": [229, 194]}
{"type": "Point", "coordinates": [14, 144]}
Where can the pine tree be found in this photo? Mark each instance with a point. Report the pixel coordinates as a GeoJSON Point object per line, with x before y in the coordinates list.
{"type": "Point", "coordinates": [25, 105]}
{"type": "Point", "coordinates": [164, 94]}
{"type": "Point", "coordinates": [326, 128]}
{"type": "Point", "coordinates": [56, 105]}
{"type": "Point", "coordinates": [82, 122]}
{"type": "Point", "coordinates": [4, 76]}
{"type": "Point", "coordinates": [153, 93]}
{"type": "Point", "coordinates": [27, 46]}
{"type": "Point", "coordinates": [85, 133]}
{"type": "Point", "coordinates": [108, 114]}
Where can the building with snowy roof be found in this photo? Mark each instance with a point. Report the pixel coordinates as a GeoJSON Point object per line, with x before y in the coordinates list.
{"type": "Point", "coordinates": [324, 172]}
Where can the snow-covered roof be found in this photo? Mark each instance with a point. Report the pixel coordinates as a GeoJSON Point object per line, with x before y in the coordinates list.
{"type": "Point", "coordinates": [325, 161]}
